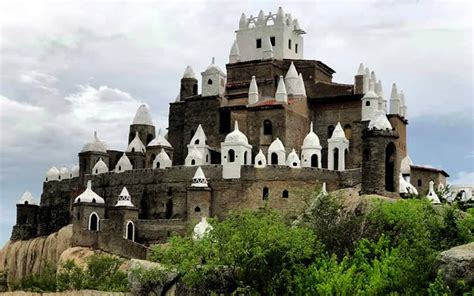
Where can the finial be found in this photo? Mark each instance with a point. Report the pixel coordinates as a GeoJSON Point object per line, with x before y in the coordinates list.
{"type": "Point", "coordinates": [311, 127]}
{"type": "Point", "coordinates": [89, 184]}
{"type": "Point", "coordinates": [236, 126]}
{"type": "Point", "coordinates": [361, 70]}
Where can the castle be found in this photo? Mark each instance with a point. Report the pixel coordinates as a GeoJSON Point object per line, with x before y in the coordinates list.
{"type": "Point", "coordinates": [269, 129]}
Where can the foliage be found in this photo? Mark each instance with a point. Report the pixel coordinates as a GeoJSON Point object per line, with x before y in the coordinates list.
{"type": "Point", "coordinates": [102, 272]}
{"type": "Point", "coordinates": [248, 249]}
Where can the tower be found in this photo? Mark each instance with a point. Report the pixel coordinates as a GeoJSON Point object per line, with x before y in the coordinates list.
{"type": "Point", "coordinates": [189, 84]}
{"type": "Point", "coordinates": [213, 81]}
{"type": "Point", "coordinates": [143, 125]}
{"type": "Point", "coordinates": [124, 215]}
{"type": "Point", "coordinates": [199, 143]}
{"type": "Point", "coordinates": [276, 153]}
{"type": "Point", "coordinates": [338, 146]}
{"type": "Point", "coordinates": [155, 147]}
{"type": "Point", "coordinates": [26, 218]}
{"type": "Point", "coordinates": [311, 150]}
{"type": "Point", "coordinates": [199, 196]}
{"type": "Point", "coordinates": [90, 155]}
{"type": "Point", "coordinates": [136, 152]}
{"type": "Point", "coordinates": [280, 30]}
{"type": "Point", "coordinates": [359, 80]}
{"type": "Point", "coordinates": [394, 100]}
{"type": "Point", "coordinates": [380, 162]}
{"type": "Point", "coordinates": [370, 103]}
{"type": "Point", "coordinates": [235, 152]}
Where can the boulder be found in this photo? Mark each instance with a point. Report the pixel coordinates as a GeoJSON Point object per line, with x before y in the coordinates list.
{"type": "Point", "coordinates": [457, 264]}
{"type": "Point", "coordinates": [159, 281]}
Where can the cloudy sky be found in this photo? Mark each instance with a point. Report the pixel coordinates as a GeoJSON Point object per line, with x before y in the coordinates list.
{"type": "Point", "coordinates": [68, 68]}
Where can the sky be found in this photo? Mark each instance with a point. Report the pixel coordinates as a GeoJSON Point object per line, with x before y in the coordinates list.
{"type": "Point", "coordinates": [69, 68]}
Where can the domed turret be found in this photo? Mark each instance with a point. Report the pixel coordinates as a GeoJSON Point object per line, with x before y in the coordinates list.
{"type": "Point", "coordinates": [95, 145]}
{"type": "Point", "coordinates": [136, 145]}
{"type": "Point", "coordinates": [52, 174]}
{"type": "Point", "coordinates": [194, 157]}
{"type": "Point", "coordinates": [124, 199]}
{"type": "Point", "coordinates": [142, 116]}
{"type": "Point", "coordinates": [213, 81]}
{"type": "Point", "coordinates": [337, 146]}
{"type": "Point", "coordinates": [236, 136]}
{"type": "Point", "coordinates": [26, 199]}
{"type": "Point", "coordinates": [235, 152]}
{"type": "Point", "coordinates": [370, 103]}
{"type": "Point", "coordinates": [100, 168]}
{"type": "Point", "coordinates": [311, 150]}
{"type": "Point", "coordinates": [89, 196]}
{"type": "Point", "coordinates": [260, 160]}
{"type": "Point", "coordinates": [276, 152]}
{"type": "Point", "coordinates": [189, 73]}
{"type": "Point", "coordinates": [64, 173]}
{"type": "Point", "coordinates": [293, 161]}
{"type": "Point", "coordinates": [123, 164]}
{"type": "Point", "coordinates": [162, 160]}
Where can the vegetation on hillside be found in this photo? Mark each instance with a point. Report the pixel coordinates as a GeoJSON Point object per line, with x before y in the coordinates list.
{"type": "Point", "coordinates": [371, 247]}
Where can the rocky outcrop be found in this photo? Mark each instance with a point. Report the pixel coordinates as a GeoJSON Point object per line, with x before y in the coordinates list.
{"type": "Point", "coordinates": [18, 258]}
{"type": "Point", "coordinates": [458, 264]}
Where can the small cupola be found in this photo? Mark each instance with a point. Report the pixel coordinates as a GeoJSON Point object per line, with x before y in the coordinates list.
{"type": "Point", "coordinates": [311, 150]}
{"type": "Point", "coordinates": [124, 199]}
{"type": "Point", "coordinates": [123, 164]}
{"type": "Point", "coordinates": [236, 136]}
{"type": "Point", "coordinates": [142, 116]}
{"type": "Point", "coordinates": [136, 145]}
{"type": "Point", "coordinates": [292, 81]}
{"type": "Point", "coordinates": [199, 179]}
{"type": "Point", "coordinates": [26, 199]}
{"type": "Point", "coordinates": [89, 196]}
{"type": "Point", "coordinates": [432, 196]}
{"type": "Point", "coordinates": [311, 140]}
{"type": "Point", "coordinates": [64, 173]}
{"type": "Point", "coordinates": [253, 91]}
{"type": "Point", "coordinates": [199, 138]}
{"type": "Point", "coordinates": [380, 121]}
{"type": "Point", "coordinates": [202, 229]}
{"type": "Point", "coordinates": [95, 145]}
{"type": "Point", "coordinates": [162, 160]}
{"type": "Point", "coordinates": [293, 161]}
{"type": "Point", "coordinates": [370, 103]}
{"type": "Point", "coordinates": [100, 167]}
{"type": "Point", "coordinates": [52, 174]}
{"type": "Point", "coordinates": [260, 160]}
{"type": "Point", "coordinates": [276, 153]}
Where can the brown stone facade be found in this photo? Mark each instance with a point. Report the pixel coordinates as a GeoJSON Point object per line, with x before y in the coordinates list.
{"type": "Point", "coordinates": [421, 176]}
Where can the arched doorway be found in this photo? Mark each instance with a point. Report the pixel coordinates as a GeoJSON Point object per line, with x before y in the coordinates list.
{"type": "Point", "coordinates": [130, 231]}
{"type": "Point", "coordinates": [390, 167]}
{"type": "Point", "coordinates": [336, 159]}
{"type": "Point", "coordinates": [169, 209]}
{"type": "Point", "coordinates": [94, 222]}
{"type": "Point", "coordinates": [274, 158]}
{"type": "Point", "coordinates": [314, 161]}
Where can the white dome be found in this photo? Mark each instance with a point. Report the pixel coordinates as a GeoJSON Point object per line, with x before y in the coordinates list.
{"type": "Point", "coordinates": [163, 159]}
{"type": "Point", "coordinates": [95, 145]}
{"type": "Point", "coordinates": [260, 160]}
{"type": "Point", "coordinates": [142, 116]}
{"type": "Point", "coordinates": [26, 199]}
{"type": "Point", "coordinates": [124, 199]}
{"type": "Point", "coordinates": [136, 145]}
{"type": "Point", "coordinates": [75, 171]}
{"type": "Point", "coordinates": [380, 121]}
{"type": "Point", "coordinates": [189, 73]}
{"type": "Point", "coordinates": [202, 229]}
{"type": "Point", "coordinates": [405, 165]}
{"type": "Point", "coordinates": [338, 133]}
{"type": "Point", "coordinates": [100, 167]}
{"type": "Point", "coordinates": [406, 187]}
{"type": "Point", "coordinates": [236, 136]}
{"type": "Point", "coordinates": [123, 164]}
{"type": "Point", "coordinates": [89, 196]}
{"type": "Point", "coordinates": [212, 68]}
{"type": "Point", "coordinates": [276, 145]}
{"type": "Point", "coordinates": [311, 140]}
{"type": "Point", "coordinates": [199, 179]}
{"type": "Point", "coordinates": [64, 173]}
{"type": "Point", "coordinates": [159, 141]}
{"type": "Point", "coordinates": [52, 174]}
{"type": "Point", "coordinates": [293, 160]}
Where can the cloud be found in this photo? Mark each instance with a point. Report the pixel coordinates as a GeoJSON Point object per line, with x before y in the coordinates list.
{"type": "Point", "coordinates": [463, 178]}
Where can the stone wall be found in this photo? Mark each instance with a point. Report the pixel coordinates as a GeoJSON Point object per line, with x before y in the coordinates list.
{"type": "Point", "coordinates": [420, 178]}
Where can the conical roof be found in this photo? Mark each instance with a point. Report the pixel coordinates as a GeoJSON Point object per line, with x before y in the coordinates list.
{"type": "Point", "coordinates": [380, 121]}
{"type": "Point", "coordinates": [293, 160]}
{"type": "Point", "coordinates": [100, 167]}
{"type": "Point", "coordinates": [236, 136]}
{"type": "Point", "coordinates": [338, 133]}
{"type": "Point", "coordinates": [199, 137]}
{"type": "Point", "coordinates": [124, 199]}
{"type": "Point", "coordinates": [281, 95]}
{"type": "Point", "coordinates": [405, 166]}
{"type": "Point", "coordinates": [136, 145]}
{"type": "Point", "coordinates": [64, 173]}
{"type": "Point", "coordinates": [199, 179]}
{"type": "Point", "coordinates": [260, 160]}
{"type": "Point", "coordinates": [189, 73]}
{"type": "Point", "coordinates": [311, 140]}
{"type": "Point", "coordinates": [95, 145]}
{"type": "Point", "coordinates": [292, 80]}
{"type": "Point", "coordinates": [123, 164]}
{"type": "Point", "coordinates": [243, 21]}
{"type": "Point", "coordinates": [159, 141]}
{"type": "Point", "coordinates": [253, 91]}
{"type": "Point", "coordinates": [26, 199]}
{"type": "Point", "coordinates": [361, 70]}
{"type": "Point", "coordinates": [394, 93]}
{"type": "Point", "coordinates": [89, 196]}
{"type": "Point", "coordinates": [142, 116]}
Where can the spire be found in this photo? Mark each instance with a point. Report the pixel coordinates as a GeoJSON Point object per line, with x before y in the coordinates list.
{"type": "Point", "coordinates": [361, 70]}
{"type": "Point", "coordinates": [243, 22]}
{"type": "Point", "coordinates": [142, 116]}
{"type": "Point", "coordinates": [253, 91]}
{"type": "Point", "coordinates": [280, 15]}
{"type": "Point", "coordinates": [394, 100]}
{"type": "Point", "coordinates": [291, 80]}
{"type": "Point", "coordinates": [260, 160]}
{"type": "Point", "coordinates": [199, 179]}
{"type": "Point", "coordinates": [89, 195]}
{"type": "Point", "coordinates": [281, 95]}
{"type": "Point", "coordinates": [136, 145]}
{"type": "Point", "coordinates": [302, 89]}
{"type": "Point", "coordinates": [124, 199]}
{"type": "Point", "coordinates": [403, 106]}
{"type": "Point", "coordinates": [366, 80]}
{"type": "Point", "coordinates": [260, 19]}
{"type": "Point", "coordinates": [373, 77]}
{"type": "Point", "coordinates": [234, 56]}
{"type": "Point", "coordinates": [236, 126]}
{"type": "Point", "coordinates": [267, 49]}
{"type": "Point", "coordinates": [189, 73]}
{"type": "Point", "coordinates": [199, 137]}
{"type": "Point", "coordinates": [378, 89]}
{"type": "Point", "coordinates": [338, 133]}
{"type": "Point", "coordinates": [311, 140]}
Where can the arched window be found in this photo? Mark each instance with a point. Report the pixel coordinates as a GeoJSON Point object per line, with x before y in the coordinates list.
{"type": "Point", "coordinates": [245, 157]}
{"type": "Point", "coordinates": [133, 149]}
{"type": "Point", "coordinates": [26, 202]}
{"type": "Point", "coordinates": [284, 194]}
{"type": "Point", "coordinates": [231, 155]}
{"type": "Point", "coordinates": [267, 127]}
{"type": "Point", "coordinates": [330, 131]}
{"type": "Point", "coordinates": [196, 142]}
{"type": "Point", "coordinates": [348, 131]}
{"type": "Point", "coordinates": [193, 162]}
{"type": "Point", "coordinates": [197, 209]}
{"type": "Point", "coordinates": [195, 89]}
{"type": "Point", "coordinates": [336, 158]}
{"type": "Point", "coordinates": [367, 103]}
{"type": "Point", "coordinates": [274, 158]}
{"type": "Point", "coordinates": [209, 81]}
{"type": "Point", "coordinates": [390, 167]}
{"type": "Point", "coordinates": [265, 193]}
{"type": "Point", "coordinates": [259, 162]}
{"type": "Point", "coordinates": [157, 164]}
{"type": "Point", "coordinates": [120, 168]}
{"type": "Point", "coordinates": [314, 161]}
{"type": "Point", "coordinates": [94, 222]}
{"type": "Point", "coordinates": [169, 192]}
{"type": "Point", "coordinates": [93, 200]}
{"type": "Point", "coordinates": [130, 231]}
{"type": "Point", "coordinates": [96, 171]}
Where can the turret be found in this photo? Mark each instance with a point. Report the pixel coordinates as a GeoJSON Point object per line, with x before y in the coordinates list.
{"type": "Point", "coordinates": [199, 196]}
{"type": "Point", "coordinates": [90, 155]}
{"type": "Point", "coordinates": [123, 164]}
{"type": "Point", "coordinates": [158, 144]}
{"type": "Point", "coordinates": [124, 215]}
{"type": "Point", "coordinates": [311, 150]}
{"type": "Point", "coordinates": [281, 94]}
{"type": "Point", "coordinates": [162, 160]}
{"type": "Point", "coordinates": [277, 153]}
{"type": "Point", "coordinates": [260, 160]}
{"type": "Point", "coordinates": [189, 84]}
{"type": "Point", "coordinates": [213, 81]}
{"type": "Point", "coordinates": [370, 103]}
{"type": "Point", "coordinates": [26, 218]}
{"type": "Point", "coordinates": [338, 146]}
{"type": "Point", "coordinates": [143, 125]}
{"type": "Point", "coordinates": [100, 168]}
{"type": "Point", "coordinates": [293, 161]}
{"type": "Point", "coordinates": [88, 210]}
{"type": "Point", "coordinates": [235, 152]}
{"type": "Point", "coordinates": [253, 91]}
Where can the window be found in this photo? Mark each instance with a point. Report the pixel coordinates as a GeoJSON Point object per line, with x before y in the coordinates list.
{"type": "Point", "coordinates": [295, 164]}
{"type": "Point", "coordinates": [265, 193]}
{"type": "Point", "coordinates": [330, 130]}
{"type": "Point", "coordinates": [197, 209]}
{"type": "Point", "coordinates": [193, 162]}
{"type": "Point", "coordinates": [196, 142]}
{"type": "Point", "coordinates": [78, 216]}
{"type": "Point", "coordinates": [274, 158]}
{"type": "Point", "coordinates": [96, 171]}
{"type": "Point", "coordinates": [195, 89]}
{"type": "Point", "coordinates": [157, 164]}
{"type": "Point", "coordinates": [94, 222]}
{"type": "Point", "coordinates": [367, 103]}
{"type": "Point", "coordinates": [272, 40]}
{"type": "Point", "coordinates": [207, 157]}
{"type": "Point", "coordinates": [419, 182]}
{"type": "Point", "coordinates": [296, 47]}
{"type": "Point", "coordinates": [259, 43]}
{"type": "Point", "coordinates": [314, 160]}
{"type": "Point", "coordinates": [93, 200]}
{"type": "Point", "coordinates": [284, 194]}
{"type": "Point", "coordinates": [169, 192]}
{"type": "Point", "coordinates": [130, 231]}
{"type": "Point", "coordinates": [267, 127]}
{"type": "Point", "coordinates": [245, 157]}
{"type": "Point", "coordinates": [231, 157]}
{"type": "Point", "coordinates": [260, 162]}
{"type": "Point", "coordinates": [289, 43]}
{"type": "Point", "coordinates": [209, 81]}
